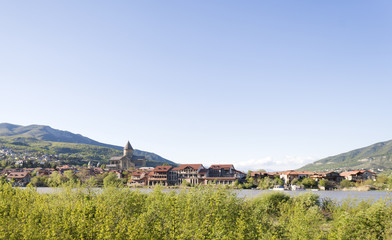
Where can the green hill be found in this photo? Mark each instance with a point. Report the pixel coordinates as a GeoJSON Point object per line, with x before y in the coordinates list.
{"type": "Point", "coordinates": [38, 139]}
{"type": "Point", "coordinates": [377, 157]}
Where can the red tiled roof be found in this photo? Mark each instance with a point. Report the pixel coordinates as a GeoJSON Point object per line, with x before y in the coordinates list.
{"type": "Point", "coordinates": [194, 166]}
{"type": "Point", "coordinates": [137, 173]}
{"type": "Point", "coordinates": [291, 172]}
{"type": "Point", "coordinates": [18, 174]}
{"type": "Point", "coordinates": [219, 178]}
{"type": "Point", "coordinates": [222, 166]}
{"type": "Point", "coordinates": [349, 173]}
{"type": "Point", "coordinates": [162, 168]}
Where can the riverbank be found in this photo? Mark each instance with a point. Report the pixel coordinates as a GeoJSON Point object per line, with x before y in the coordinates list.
{"type": "Point", "coordinates": [336, 195]}
{"type": "Point", "coordinates": [197, 213]}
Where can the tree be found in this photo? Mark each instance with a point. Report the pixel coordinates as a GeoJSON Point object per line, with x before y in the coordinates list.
{"type": "Point", "coordinates": [309, 183]}
{"type": "Point", "coordinates": [39, 181]}
{"type": "Point", "coordinates": [278, 181]}
{"type": "Point", "coordinates": [111, 180]}
{"type": "Point", "coordinates": [71, 178]}
{"type": "Point", "coordinates": [346, 183]}
{"type": "Point", "coordinates": [56, 179]}
{"type": "Point", "coordinates": [84, 175]}
{"type": "Point", "coordinates": [265, 183]}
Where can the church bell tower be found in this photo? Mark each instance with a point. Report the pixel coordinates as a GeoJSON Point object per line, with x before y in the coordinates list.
{"type": "Point", "coordinates": [128, 150]}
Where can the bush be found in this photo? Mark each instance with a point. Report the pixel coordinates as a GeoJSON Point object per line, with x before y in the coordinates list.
{"type": "Point", "coordinates": [203, 212]}
{"type": "Point", "coordinates": [346, 183]}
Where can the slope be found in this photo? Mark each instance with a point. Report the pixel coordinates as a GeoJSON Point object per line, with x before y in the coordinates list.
{"type": "Point", "coordinates": [48, 139]}
{"type": "Point", "coordinates": [377, 157]}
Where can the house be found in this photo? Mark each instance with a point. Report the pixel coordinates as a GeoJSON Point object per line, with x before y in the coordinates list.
{"type": "Point", "coordinates": [189, 173]}
{"type": "Point", "coordinates": [64, 168]}
{"type": "Point", "coordinates": [128, 160]}
{"type": "Point", "coordinates": [138, 178]}
{"type": "Point", "coordinates": [19, 179]}
{"type": "Point", "coordinates": [330, 176]}
{"type": "Point", "coordinates": [221, 170]}
{"type": "Point", "coordinates": [290, 175]}
{"type": "Point", "coordinates": [45, 171]}
{"type": "Point", "coordinates": [162, 175]}
{"type": "Point", "coordinates": [222, 174]}
{"type": "Point", "coordinates": [359, 175]}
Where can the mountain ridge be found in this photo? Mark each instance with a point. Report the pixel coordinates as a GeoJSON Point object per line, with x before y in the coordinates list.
{"type": "Point", "coordinates": [377, 157]}
{"type": "Point", "coordinates": [49, 134]}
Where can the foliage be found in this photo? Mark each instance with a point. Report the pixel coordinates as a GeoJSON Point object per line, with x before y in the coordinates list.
{"type": "Point", "coordinates": [265, 183]}
{"type": "Point", "coordinates": [196, 213]}
{"type": "Point", "coordinates": [309, 183]}
{"type": "Point", "coordinates": [346, 183]}
{"type": "Point", "coordinates": [39, 181]}
{"type": "Point", "coordinates": [111, 180]}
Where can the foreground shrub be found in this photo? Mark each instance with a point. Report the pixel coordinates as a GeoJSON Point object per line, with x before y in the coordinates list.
{"type": "Point", "coordinates": [197, 213]}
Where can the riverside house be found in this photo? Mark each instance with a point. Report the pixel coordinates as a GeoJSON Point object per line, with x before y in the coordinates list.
{"type": "Point", "coordinates": [359, 175]}
{"type": "Point", "coordinates": [190, 173]}
{"type": "Point", "coordinates": [222, 174]}
{"type": "Point", "coordinates": [138, 178]}
{"type": "Point", "coordinates": [162, 175]}
{"type": "Point", "coordinates": [289, 176]}
{"type": "Point", "coordinates": [19, 179]}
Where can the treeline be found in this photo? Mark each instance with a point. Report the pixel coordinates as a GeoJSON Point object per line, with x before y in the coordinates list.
{"type": "Point", "coordinates": [382, 182]}
{"type": "Point", "coordinates": [82, 178]}
{"type": "Point", "coordinates": [198, 213]}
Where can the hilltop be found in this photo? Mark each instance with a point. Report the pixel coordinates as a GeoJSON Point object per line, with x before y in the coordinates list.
{"type": "Point", "coordinates": [377, 157]}
{"type": "Point", "coordinates": [40, 139]}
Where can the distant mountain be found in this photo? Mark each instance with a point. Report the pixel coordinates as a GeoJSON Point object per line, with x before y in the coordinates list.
{"type": "Point", "coordinates": [377, 157]}
{"type": "Point", "coordinates": [29, 134]}
{"type": "Point", "coordinates": [47, 133]}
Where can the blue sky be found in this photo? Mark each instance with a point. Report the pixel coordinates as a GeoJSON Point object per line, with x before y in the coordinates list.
{"type": "Point", "coordinates": [261, 84]}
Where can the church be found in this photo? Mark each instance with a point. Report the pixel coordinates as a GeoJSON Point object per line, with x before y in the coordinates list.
{"type": "Point", "coordinates": [127, 161]}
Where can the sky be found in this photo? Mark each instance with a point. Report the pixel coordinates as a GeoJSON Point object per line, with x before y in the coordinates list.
{"type": "Point", "coordinates": [260, 84]}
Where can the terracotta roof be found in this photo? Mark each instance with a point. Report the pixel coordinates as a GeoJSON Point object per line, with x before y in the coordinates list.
{"type": "Point", "coordinates": [162, 168]}
{"type": "Point", "coordinates": [345, 174]}
{"type": "Point", "coordinates": [194, 166]}
{"type": "Point", "coordinates": [220, 178]}
{"type": "Point", "coordinates": [222, 166]}
{"type": "Point", "coordinates": [137, 173]}
{"type": "Point", "coordinates": [291, 172]}
{"type": "Point", "coordinates": [18, 174]}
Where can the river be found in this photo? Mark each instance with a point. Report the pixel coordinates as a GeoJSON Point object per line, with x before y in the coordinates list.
{"type": "Point", "coordinates": [251, 193]}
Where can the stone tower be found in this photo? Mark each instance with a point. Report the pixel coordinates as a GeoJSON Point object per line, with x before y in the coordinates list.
{"type": "Point", "coordinates": [128, 150]}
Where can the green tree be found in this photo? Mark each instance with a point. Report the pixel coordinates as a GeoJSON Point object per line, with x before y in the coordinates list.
{"type": "Point", "coordinates": [111, 180]}
{"type": "Point", "coordinates": [309, 183]}
{"type": "Point", "coordinates": [56, 179]}
{"type": "Point", "coordinates": [39, 181]}
{"type": "Point", "coordinates": [346, 184]}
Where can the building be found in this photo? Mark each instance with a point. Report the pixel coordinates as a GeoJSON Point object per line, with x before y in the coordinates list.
{"type": "Point", "coordinates": [162, 175]}
{"type": "Point", "coordinates": [128, 160]}
{"type": "Point", "coordinates": [138, 178]}
{"type": "Point", "coordinates": [359, 175]}
{"type": "Point", "coordinates": [189, 173]}
{"type": "Point", "coordinates": [221, 174]}
{"type": "Point", "coordinates": [289, 176]}
{"type": "Point", "coordinates": [19, 179]}
{"type": "Point", "coordinates": [330, 176]}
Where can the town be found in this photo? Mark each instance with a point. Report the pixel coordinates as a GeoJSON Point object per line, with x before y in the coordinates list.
{"type": "Point", "coordinates": [130, 170]}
